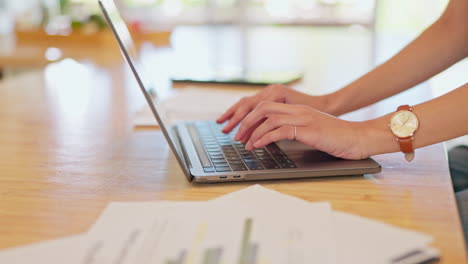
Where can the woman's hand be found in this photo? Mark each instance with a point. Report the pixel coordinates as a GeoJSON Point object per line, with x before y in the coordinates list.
{"type": "Point", "coordinates": [273, 93]}
{"type": "Point", "coordinates": [270, 122]}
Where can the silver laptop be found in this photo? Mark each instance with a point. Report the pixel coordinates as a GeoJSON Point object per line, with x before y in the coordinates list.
{"type": "Point", "coordinates": [206, 155]}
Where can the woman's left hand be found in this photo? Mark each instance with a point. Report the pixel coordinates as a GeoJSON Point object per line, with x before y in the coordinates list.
{"type": "Point", "coordinates": [271, 122]}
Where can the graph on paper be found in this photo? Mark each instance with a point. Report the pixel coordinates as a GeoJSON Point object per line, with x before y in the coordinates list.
{"type": "Point", "coordinates": [213, 233]}
{"type": "Point", "coordinates": [248, 253]}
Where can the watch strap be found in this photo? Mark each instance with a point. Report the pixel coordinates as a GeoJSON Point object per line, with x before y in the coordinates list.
{"type": "Point", "coordinates": [404, 107]}
{"type": "Point", "coordinates": [406, 144]}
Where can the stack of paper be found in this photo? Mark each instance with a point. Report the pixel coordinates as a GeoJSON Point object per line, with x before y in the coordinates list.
{"type": "Point", "coordinates": [252, 226]}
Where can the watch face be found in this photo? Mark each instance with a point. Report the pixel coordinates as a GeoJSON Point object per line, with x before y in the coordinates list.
{"type": "Point", "coordinates": [404, 123]}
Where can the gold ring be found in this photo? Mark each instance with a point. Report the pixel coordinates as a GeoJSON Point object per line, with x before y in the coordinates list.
{"type": "Point", "coordinates": [295, 132]}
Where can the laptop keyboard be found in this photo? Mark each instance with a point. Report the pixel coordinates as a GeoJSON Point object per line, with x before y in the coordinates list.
{"type": "Point", "coordinates": [219, 152]}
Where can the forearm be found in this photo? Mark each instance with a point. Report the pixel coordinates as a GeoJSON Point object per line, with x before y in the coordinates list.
{"type": "Point", "coordinates": [440, 119]}
{"type": "Point", "coordinates": [440, 46]}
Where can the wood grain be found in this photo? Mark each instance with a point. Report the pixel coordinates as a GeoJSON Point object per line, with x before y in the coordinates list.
{"type": "Point", "coordinates": [68, 149]}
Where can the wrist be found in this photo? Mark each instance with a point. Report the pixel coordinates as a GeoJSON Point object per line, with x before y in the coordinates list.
{"type": "Point", "coordinates": [376, 138]}
{"type": "Point", "coordinates": [333, 104]}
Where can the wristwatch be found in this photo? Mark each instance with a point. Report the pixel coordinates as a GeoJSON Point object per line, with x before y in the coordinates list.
{"type": "Point", "coordinates": [403, 125]}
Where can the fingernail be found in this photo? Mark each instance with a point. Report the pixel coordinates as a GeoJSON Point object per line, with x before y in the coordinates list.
{"type": "Point", "coordinates": [248, 145]}
{"type": "Point", "coordinates": [257, 144]}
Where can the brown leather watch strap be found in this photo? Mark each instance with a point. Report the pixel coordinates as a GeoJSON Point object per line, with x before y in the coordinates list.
{"type": "Point", "coordinates": [406, 144]}
{"type": "Point", "coordinates": [404, 107]}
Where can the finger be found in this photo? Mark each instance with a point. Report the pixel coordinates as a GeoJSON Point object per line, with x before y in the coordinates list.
{"type": "Point", "coordinates": [263, 110]}
{"type": "Point", "coordinates": [249, 132]}
{"type": "Point", "coordinates": [228, 114]}
{"type": "Point", "coordinates": [241, 112]}
{"type": "Point", "coordinates": [273, 122]}
{"type": "Point", "coordinates": [284, 132]}
{"type": "Point", "coordinates": [245, 139]}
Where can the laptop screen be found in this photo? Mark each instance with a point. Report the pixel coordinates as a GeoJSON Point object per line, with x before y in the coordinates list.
{"type": "Point", "coordinates": [127, 47]}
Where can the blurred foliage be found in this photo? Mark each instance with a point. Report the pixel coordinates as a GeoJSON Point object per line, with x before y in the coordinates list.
{"type": "Point", "coordinates": [91, 16]}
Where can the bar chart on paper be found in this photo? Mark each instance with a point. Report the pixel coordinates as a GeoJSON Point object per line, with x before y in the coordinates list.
{"type": "Point", "coordinates": [212, 233]}
{"type": "Point", "coordinates": [248, 253]}
{"type": "Point", "coordinates": [217, 240]}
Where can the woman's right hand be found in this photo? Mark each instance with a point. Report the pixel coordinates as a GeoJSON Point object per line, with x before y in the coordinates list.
{"type": "Point", "coordinates": [273, 93]}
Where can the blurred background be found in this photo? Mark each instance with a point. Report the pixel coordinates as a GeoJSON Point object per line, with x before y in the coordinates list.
{"type": "Point", "coordinates": [331, 42]}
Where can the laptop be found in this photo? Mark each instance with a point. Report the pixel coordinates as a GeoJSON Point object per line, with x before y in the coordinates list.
{"type": "Point", "coordinates": [206, 155]}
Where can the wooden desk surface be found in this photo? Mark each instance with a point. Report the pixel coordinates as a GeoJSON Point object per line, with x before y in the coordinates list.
{"type": "Point", "coordinates": [29, 48]}
{"type": "Point", "coordinates": [68, 149]}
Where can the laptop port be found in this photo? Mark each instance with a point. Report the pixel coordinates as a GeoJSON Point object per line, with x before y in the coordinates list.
{"type": "Point", "coordinates": [236, 176]}
{"type": "Point", "coordinates": [223, 177]}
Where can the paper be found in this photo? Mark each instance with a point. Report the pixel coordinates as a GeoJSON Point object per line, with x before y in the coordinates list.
{"type": "Point", "coordinates": [194, 232]}
{"type": "Point", "coordinates": [188, 104]}
{"type": "Point", "coordinates": [359, 240]}
{"type": "Point", "coordinates": [66, 250]}
{"type": "Point", "coordinates": [252, 226]}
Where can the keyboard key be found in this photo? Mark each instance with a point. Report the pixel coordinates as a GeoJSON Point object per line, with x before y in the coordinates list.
{"type": "Point", "coordinates": [283, 160]}
{"type": "Point", "coordinates": [223, 151]}
{"type": "Point", "coordinates": [228, 149]}
{"type": "Point", "coordinates": [287, 165]}
{"type": "Point", "coordinates": [210, 149]}
{"type": "Point", "coordinates": [254, 165]}
{"type": "Point", "coordinates": [272, 167]}
{"type": "Point", "coordinates": [232, 155]}
{"type": "Point", "coordinates": [273, 148]}
{"type": "Point", "coordinates": [222, 169]}
{"type": "Point", "coordinates": [209, 170]}
{"type": "Point", "coordinates": [240, 167]}
{"type": "Point", "coordinates": [270, 164]}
